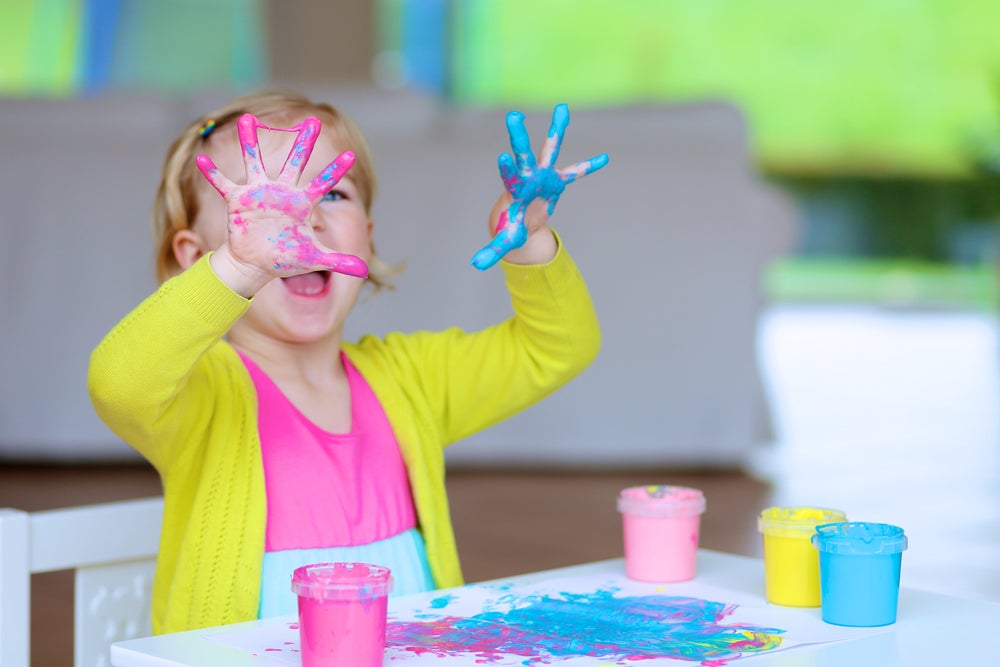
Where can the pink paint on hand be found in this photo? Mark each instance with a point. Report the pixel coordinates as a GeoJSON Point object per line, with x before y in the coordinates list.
{"type": "Point", "coordinates": [502, 221]}
{"type": "Point", "coordinates": [308, 132]}
{"type": "Point", "coordinates": [295, 250]}
{"type": "Point", "coordinates": [330, 176]}
{"type": "Point", "coordinates": [268, 218]}
{"type": "Point", "coordinates": [246, 128]}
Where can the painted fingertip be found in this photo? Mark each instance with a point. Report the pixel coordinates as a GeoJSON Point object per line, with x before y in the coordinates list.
{"type": "Point", "coordinates": [352, 266]}
{"type": "Point", "coordinates": [353, 271]}
{"type": "Point", "coordinates": [310, 124]}
{"type": "Point", "coordinates": [514, 117]}
{"type": "Point", "coordinates": [204, 163]}
{"type": "Point", "coordinates": [485, 258]}
{"type": "Point", "coordinates": [560, 119]}
{"type": "Point", "coordinates": [246, 129]}
{"type": "Point", "coordinates": [599, 161]}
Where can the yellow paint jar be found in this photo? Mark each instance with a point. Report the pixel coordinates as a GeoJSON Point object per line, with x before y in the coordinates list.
{"type": "Point", "coordinates": [791, 562]}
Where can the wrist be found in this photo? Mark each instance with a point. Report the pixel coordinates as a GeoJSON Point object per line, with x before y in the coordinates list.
{"type": "Point", "coordinates": [540, 248]}
{"type": "Point", "coordinates": [243, 279]}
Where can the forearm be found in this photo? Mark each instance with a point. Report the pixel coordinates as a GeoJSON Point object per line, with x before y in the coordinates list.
{"type": "Point", "coordinates": [554, 315]}
{"type": "Point", "coordinates": [137, 374]}
{"type": "Point", "coordinates": [553, 335]}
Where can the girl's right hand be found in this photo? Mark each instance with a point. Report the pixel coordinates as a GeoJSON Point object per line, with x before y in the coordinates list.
{"type": "Point", "coordinates": [269, 230]}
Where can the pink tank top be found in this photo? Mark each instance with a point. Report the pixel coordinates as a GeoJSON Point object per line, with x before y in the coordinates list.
{"type": "Point", "coordinates": [330, 489]}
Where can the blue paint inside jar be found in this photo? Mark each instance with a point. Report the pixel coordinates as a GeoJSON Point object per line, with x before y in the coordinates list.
{"type": "Point", "coordinates": [859, 565]}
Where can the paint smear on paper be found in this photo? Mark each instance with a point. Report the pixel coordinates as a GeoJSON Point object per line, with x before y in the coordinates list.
{"type": "Point", "coordinates": [548, 628]}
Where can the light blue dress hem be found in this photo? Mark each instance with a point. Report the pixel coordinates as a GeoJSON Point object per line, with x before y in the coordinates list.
{"type": "Point", "coordinates": [405, 555]}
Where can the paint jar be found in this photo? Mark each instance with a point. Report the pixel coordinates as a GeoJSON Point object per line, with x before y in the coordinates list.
{"type": "Point", "coordinates": [342, 613]}
{"type": "Point", "coordinates": [791, 564]}
{"type": "Point", "coordinates": [660, 525]}
{"type": "Point", "coordinates": [859, 572]}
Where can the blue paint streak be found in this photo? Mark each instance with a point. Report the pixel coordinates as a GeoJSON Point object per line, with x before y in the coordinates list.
{"type": "Point", "coordinates": [442, 602]}
{"type": "Point", "coordinates": [595, 624]}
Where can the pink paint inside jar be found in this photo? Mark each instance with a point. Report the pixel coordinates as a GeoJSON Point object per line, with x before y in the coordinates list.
{"type": "Point", "coordinates": [342, 613]}
{"type": "Point", "coordinates": [661, 526]}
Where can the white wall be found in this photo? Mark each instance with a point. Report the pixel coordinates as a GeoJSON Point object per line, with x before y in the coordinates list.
{"type": "Point", "coordinates": [672, 237]}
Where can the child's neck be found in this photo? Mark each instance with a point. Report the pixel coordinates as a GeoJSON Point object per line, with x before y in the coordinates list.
{"type": "Point", "coordinates": [316, 363]}
{"type": "Point", "coordinates": [312, 377]}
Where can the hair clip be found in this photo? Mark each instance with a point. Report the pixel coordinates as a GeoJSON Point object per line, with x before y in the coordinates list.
{"type": "Point", "coordinates": [207, 128]}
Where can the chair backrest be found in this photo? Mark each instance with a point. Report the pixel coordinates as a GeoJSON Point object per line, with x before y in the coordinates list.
{"type": "Point", "coordinates": [112, 549]}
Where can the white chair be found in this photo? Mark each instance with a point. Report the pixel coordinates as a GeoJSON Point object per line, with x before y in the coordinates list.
{"type": "Point", "coordinates": [112, 548]}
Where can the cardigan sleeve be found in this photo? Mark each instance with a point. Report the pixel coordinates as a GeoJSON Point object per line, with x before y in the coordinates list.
{"type": "Point", "coordinates": [470, 381]}
{"type": "Point", "coordinates": [149, 378]}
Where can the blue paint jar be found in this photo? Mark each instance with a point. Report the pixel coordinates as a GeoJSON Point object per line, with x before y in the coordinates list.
{"type": "Point", "coordinates": [859, 566]}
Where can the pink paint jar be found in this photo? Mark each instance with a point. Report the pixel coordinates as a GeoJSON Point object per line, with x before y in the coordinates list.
{"type": "Point", "coordinates": [342, 613]}
{"type": "Point", "coordinates": [661, 526]}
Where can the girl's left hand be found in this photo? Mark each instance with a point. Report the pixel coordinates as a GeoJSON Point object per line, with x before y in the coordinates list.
{"type": "Point", "coordinates": [528, 180]}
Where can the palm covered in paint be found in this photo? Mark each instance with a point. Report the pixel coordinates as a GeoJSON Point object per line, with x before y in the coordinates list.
{"type": "Point", "coordinates": [269, 218]}
{"type": "Point", "coordinates": [528, 179]}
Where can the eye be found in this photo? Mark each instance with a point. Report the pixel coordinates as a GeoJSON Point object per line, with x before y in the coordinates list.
{"type": "Point", "coordinates": [334, 195]}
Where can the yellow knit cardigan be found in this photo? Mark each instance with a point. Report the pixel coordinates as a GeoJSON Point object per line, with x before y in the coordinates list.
{"type": "Point", "coordinates": [166, 383]}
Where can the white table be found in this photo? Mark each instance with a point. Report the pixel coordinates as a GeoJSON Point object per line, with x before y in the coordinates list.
{"type": "Point", "coordinates": [931, 629]}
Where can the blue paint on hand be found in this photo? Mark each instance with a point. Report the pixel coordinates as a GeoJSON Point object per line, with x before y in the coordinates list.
{"type": "Point", "coordinates": [528, 179]}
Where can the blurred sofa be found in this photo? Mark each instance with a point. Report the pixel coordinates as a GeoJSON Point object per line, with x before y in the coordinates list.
{"type": "Point", "coordinates": [672, 236]}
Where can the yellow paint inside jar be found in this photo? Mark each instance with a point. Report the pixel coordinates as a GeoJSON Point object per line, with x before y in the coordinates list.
{"type": "Point", "coordinates": [791, 563]}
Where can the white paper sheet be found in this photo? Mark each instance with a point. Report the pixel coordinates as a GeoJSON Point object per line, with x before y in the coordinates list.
{"type": "Point", "coordinates": [580, 621]}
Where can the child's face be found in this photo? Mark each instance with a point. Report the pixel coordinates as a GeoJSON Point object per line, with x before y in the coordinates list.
{"type": "Point", "coordinates": [313, 306]}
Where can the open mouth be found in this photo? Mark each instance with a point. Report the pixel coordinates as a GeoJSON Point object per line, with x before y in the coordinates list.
{"type": "Point", "coordinates": [316, 283]}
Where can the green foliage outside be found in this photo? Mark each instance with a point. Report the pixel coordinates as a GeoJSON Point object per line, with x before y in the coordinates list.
{"type": "Point", "coordinates": [881, 117]}
{"type": "Point", "coordinates": [865, 87]}
{"type": "Point", "coordinates": [883, 282]}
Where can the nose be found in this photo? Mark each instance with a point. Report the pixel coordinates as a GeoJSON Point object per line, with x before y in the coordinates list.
{"type": "Point", "coordinates": [316, 221]}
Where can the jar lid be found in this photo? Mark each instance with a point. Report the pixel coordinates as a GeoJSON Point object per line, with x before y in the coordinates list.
{"type": "Point", "coordinates": [859, 538]}
{"type": "Point", "coordinates": [661, 501]}
{"type": "Point", "coordinates": [342, 581]}
{"type": "Point", "coordinates": [796, 521]}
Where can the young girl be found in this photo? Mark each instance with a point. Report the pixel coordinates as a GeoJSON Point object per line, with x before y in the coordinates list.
{"type": "Point", "coordinates": [279, 443]}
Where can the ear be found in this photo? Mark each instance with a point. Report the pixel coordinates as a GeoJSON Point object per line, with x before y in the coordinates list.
{"type": "Point", "coordinates": [371, 238]}
{"type": "Point", "coordinates": [188, 247]}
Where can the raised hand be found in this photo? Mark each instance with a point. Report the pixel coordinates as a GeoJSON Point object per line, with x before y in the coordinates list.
{"type": "Point", "coordinates": [269, 218]}
{"type": "Point", "coordinates": [527, 180]}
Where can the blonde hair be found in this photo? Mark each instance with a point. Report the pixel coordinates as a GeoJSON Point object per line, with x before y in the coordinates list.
{"type": "Point", "coordinates": [176, 204]}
